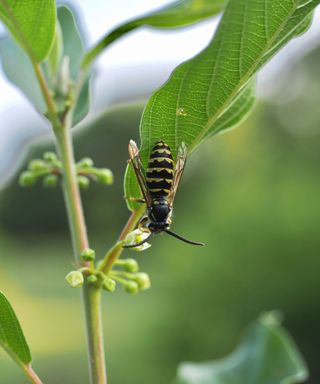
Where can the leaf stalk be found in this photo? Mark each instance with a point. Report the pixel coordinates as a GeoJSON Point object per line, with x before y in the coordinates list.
{"type": "Point", "coordinates": [114, 252]}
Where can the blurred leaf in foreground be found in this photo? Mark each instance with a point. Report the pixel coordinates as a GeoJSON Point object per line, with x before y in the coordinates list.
{"type": "Point", "coordinates": [266, 355]}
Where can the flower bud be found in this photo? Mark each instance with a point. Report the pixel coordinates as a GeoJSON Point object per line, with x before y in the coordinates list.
{"type": "Point", "coordinates": [130, 265]}
{"type": "Point", "coordinates": [51, 157]}
{"type": "Point", "coordinates": [83, 182]}
{"type": "Point", "coordinates": [50, 181]}
{"type": "Point", "coordinates": [27, 179]}
{"type": "Point", "coordinates": [75, 279]}
{"type": "Point", "coordinates": [86, 162]}
{"type": "Point", "coordinates": [105, 176]}
{"type": "Point", "coordinates": [131, 287]}
{"type": "Point", "coordinates": [135, 237]}
{"type": "Point", "coordinates": [143, 280]}
{"type": "Point", "coordinates": [37, 165]}
{"type": "Point", "coordinates": [92, 279]}
{"type": "Point", "coordinates": [109, 284]}
{"type": "Point", "coordinates": [88, 254]}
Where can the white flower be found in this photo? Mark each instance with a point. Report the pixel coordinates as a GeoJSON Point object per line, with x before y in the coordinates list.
{"type": "Point", "coordinates": [136, 237]}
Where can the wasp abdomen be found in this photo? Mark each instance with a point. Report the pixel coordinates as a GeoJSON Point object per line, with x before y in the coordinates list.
{"type": "Point", "coordinates": [160, 170]}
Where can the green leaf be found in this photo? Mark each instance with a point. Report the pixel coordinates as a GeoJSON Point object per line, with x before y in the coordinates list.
{"type": "Point", "coordinates": [213, 91]}
{"type": "Point", "coordinates": [55, 54]}
{"type": "Point", "coordinates": [11, 336]}
{"type": "Point", "coordinates": [266, 355]}
{"type": "Point", "coordinates": [83, 103]}
{"type": "Point", "coordinates": [179, 14]}
{"type": "Point", "coordinates": [32, 23]}
{"type": "Point", "coordinates": [73, 49]}
{"type": "Point", "coordinates": [73, 46]}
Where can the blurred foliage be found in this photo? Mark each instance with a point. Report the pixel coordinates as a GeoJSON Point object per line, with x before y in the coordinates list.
{"type": "Point", "coordinates": [266, 355]}
{"type": "Point", "coordinates": [250, 195]}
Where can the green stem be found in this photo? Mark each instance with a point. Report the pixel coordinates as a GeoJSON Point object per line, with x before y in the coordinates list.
{"type": "Point", "coordinates": [114, 253]}
{"type": "Point", "coordinates": [30, 373]}
{"type": "Point", "coordinates": [71, 192]}
{"type": "Point", "coordinates": [91, 294]}
{"type": "Point", "coordinates": [47, 96]}
{"type": "Point", "coordinates": [92, 297]}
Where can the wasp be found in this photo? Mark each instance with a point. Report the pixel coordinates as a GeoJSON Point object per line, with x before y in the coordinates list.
{"type": "Point", "coordinates": [158, 187]}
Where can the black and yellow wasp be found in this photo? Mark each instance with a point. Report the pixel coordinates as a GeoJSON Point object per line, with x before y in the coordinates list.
{"type": "Point", "coordinates": [158, 187]}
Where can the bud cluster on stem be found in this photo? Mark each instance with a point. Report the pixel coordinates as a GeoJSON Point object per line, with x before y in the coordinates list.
{"type": "Point", "coordinates": [125, 272]}
{"type": "Point", "coordinates": [49, 169]}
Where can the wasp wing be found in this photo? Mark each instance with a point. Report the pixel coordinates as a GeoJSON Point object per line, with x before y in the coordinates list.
{"type": "Point", "coordinates": [178, 171]}
{"type": "Point", "coordinates": [135, 160]}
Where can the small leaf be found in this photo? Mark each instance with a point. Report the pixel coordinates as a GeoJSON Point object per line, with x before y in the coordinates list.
{"type": "Point", "coordinates": [32, 23]}
{"type": "Point", "coordinates": [73, 48]}
{"type": "Point", "coordinates": [55, 54]}
{"type": "Point", "coordinates": [72, 41]}
{"type": "Point", "coordinates": [11, 336]}
{"type": "Point", "coordinates": [266, 355]}
{"type": "Point", "coordinates": [213, 91]}
{"type": "Point", "coordinates": [178, 14]}
{"type": "Point", "coordinates": [83, 103]}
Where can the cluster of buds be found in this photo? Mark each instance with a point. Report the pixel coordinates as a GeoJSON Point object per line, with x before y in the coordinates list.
{"type": "Point", "coordinates": [86, 172]}
{"type": "Point", "coordinates": [49, 169]}
{"type": "Point", "coordinates": [127, 275]}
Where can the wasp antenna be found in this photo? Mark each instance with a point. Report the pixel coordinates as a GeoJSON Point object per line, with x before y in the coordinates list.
{"type": "Point", "coordinates": [140, 243]}
{"type": "Point", "coordinates": [182, 238]}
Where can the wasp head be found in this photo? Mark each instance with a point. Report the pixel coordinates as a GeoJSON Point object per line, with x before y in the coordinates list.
{"type": "Point", "coordinates": [159, 216]}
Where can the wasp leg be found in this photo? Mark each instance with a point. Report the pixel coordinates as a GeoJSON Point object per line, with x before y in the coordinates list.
{"type": "Point", "coordinates": [143, 224]}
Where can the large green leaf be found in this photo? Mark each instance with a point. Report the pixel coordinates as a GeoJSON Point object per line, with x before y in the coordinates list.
{"type": "Point", "coordinates": [11, 336]}
{"type": "Point", "coordinates": [68, 44]}
{"type": "Point", "coordinates": [32, 23]}
{"type": "Point", "coordinates": [212, 91]}
{"type": "Point", "coordinates": [266, 355]}
{"type": "Point", "coordinates": [178, 14]}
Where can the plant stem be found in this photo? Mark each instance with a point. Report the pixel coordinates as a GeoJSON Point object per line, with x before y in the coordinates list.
{"type": "Point", "coordinates": [90, 293]}
{"type": "Point", "coordinates": [30, 373]}
{"type": "Point", "coordinates": [114, 253]}
{"type": "Point", "coordinates": [71, 192]}
{"type": "Point", "coordinates": [92, 300]}
{"type": "Point", "coordinates": [47, 96]}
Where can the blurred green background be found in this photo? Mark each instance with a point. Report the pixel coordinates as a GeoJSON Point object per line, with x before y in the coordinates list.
{"type": "Point", "coordinates": [252, 195]}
